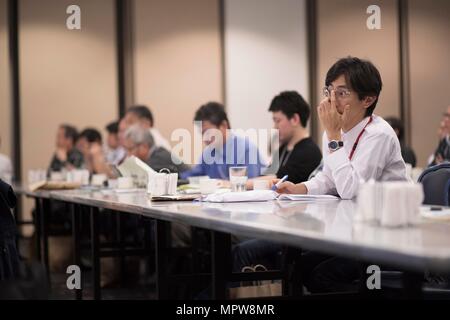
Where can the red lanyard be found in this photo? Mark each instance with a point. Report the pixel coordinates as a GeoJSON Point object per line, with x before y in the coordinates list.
{"type": "Point", "coordinates": [357, 139]}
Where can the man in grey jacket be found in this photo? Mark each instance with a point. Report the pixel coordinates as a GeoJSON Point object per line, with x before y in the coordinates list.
{"type": "Point", "coordinates": [139, 142]}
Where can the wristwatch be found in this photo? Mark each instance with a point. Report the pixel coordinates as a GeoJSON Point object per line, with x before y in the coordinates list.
{"type": "Point", "coordinates": [334, 145]}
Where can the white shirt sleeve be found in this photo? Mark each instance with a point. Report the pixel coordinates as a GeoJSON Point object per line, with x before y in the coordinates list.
{"type": "Point", "coordinates": [368, 162]}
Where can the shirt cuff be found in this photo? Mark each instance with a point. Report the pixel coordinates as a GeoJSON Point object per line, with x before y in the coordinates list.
{"type": "Point", "coordinates": [337, 160]}
{"type": "Point", "coordinates": [311, 186]}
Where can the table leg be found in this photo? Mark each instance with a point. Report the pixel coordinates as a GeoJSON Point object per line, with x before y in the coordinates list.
{"type": "Point", "coordinates": [95, 251]}
{"type": "Point", "coordinates": [220, 264]}
{"type": "Point", "coordinates": [38, 227]}
{"type": "Point", "coordinates": [44, 229]}
{"type": "Point", "coordinates": [162, 258]}
{"type": "Point", "coordinates": [76, 238]}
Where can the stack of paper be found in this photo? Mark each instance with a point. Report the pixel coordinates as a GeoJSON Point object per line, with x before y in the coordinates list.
{"type": "Point", "coordinates": [306, 197]}
{"type": "Point", "coordinates": [247, 196]}
{"type": "Point", "coordinates": [177, 197]}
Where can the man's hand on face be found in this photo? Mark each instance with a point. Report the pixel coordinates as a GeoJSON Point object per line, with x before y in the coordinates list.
{"type": "Point", "coordinates": [61, 154]}
{"type": "Point", "coordinates": [331, 119]}
{"type": "Point", "coordinates": [95, 149]}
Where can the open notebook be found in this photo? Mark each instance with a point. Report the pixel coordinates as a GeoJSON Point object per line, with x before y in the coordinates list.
{"type": "Point", "coordinates": [262, 195]}
{"type": "Point", "coordinates": [306, 197]}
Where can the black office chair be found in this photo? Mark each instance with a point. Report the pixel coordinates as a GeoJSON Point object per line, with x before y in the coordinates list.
{"type": "Point", "coordinates": [436, 183]}
{"type": "Point", "coordinates": [436, 186]}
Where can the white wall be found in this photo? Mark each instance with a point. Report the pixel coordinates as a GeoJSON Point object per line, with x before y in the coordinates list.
{"type": "Point", "coordinates": [265, 53]}
{"type": "Point", "coordinates": [429, 45]}
{"type": "Point", "coordinates": [177, 60]}
{"type": "Point", "coordinates": [66, 76]}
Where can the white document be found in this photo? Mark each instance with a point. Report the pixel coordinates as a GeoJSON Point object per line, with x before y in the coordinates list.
{"type": "Point", "coordinates": [137, 169]}
{"type": "Point", "coordinates": [307, 197]}
{"type": "Point", "coordinates": [435, 212]}
{"type": "Point", "coordinates": [133, 166]}
{"type": "Point", "coordinates": [247, 196]}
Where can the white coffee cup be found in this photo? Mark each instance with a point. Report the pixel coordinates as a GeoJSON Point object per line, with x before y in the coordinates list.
{"type": "Point", "coordinates": [98, 179]}
{"type": "Point", "coordinates": [113, 183]}
{"type": "Point", "coordinates": [208, 186]}
{"type": "Point", "coordinates": [56, 176]}
{"type": "Point", "coordinates": [196, 179]}
{"type": "Point", "coordinates": [260, 185]}
{"type": "Point", "coordinates": [125, 183]}
{"type": "Point", "coordinates": [157, 184]}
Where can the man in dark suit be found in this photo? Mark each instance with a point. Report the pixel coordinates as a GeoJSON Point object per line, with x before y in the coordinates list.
{"type": "Point", "coordinates": [9, 257]}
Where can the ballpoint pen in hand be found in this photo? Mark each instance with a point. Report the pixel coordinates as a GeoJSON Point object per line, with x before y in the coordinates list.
{"type": "Point", "coordinates": [275, 186]}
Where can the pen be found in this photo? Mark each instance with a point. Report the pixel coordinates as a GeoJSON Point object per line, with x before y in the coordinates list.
{"type": "Point", "coordinates": [275, 186]}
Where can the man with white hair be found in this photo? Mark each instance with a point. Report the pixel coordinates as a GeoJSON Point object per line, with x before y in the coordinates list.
{"type": "Point", "coordinates": [139, 142]}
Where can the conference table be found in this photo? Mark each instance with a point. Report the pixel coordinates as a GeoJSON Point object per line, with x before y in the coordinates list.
{"type": "Point", "coordinates": [330, 227]}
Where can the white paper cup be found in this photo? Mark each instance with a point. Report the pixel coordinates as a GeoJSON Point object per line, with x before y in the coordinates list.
{"type": "Point", "coordinates": [56, 176]}
{"type": "Point", "coordinates": [208, 186]}
{"type": "Point", "coordinates": [98, 179]}
{"type": "Point", "coordinates": [157, 184]}
{"type": "Point", "coordinates": [113, 183]}
{"type": "Point", "coordinates": [125, 183]}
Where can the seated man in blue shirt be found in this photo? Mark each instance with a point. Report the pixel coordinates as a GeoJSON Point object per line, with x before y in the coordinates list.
{"type": "Point", "coordinates": [223, 149]}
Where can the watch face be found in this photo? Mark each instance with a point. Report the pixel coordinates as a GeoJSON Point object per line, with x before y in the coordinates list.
{"type": "Point", "coordinates": [333, 145]}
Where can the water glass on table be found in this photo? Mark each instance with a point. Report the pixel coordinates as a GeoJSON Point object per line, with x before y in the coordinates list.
{"type": "Point", "coordinates": [238, 179]}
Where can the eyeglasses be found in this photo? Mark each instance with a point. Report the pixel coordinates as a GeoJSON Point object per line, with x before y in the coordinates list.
{"type": "Point", "coordinates": [340, 92]}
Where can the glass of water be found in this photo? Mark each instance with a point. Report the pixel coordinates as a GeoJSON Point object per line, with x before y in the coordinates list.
{"type": "Point", "coordinates": [238, 178]}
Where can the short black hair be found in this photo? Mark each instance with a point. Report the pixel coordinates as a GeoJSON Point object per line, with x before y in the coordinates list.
{"type": "Point", "coordinates": [70, 132]}
{"type": "Point", "coordinates": [142, 112]}
{"type": "Point", "coordinates": [91, 135]}
{"type": "Point", "coordinates": [290, 103]}
{"type": "Point", "coordinates": [396, 124]}
{"type": "Point", "coordinates": [113, 127]}
{"type": "Point", "coordinates": [213, 112]}
{"type": "Point", "coordinates": [363, 77]}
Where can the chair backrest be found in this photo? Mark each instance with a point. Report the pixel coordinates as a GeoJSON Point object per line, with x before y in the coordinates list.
{"type": "Point", "coordinates": [436, 184]}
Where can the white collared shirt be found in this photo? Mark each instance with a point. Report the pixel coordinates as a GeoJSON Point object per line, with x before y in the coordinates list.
{"type": "Point", "coordinates": [115, 156]}
{"type": "Point", "coordinates": [377, 156]}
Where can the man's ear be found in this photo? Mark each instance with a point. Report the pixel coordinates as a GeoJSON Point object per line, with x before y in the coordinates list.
{"type": "Point", "coordinates": [369, 100]}
{"type": "Point", "coordinates": [224, 124]}
{"type": "Point", "coordinates": [146, 123]}
{"type": "Point", "coordinates": [295, 119]}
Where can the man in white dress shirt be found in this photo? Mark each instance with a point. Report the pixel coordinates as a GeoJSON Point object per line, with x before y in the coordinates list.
{"type": "Point", "coordinates": [114, 152]}
{"type": "Point", "coordinates": [357, 144]}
